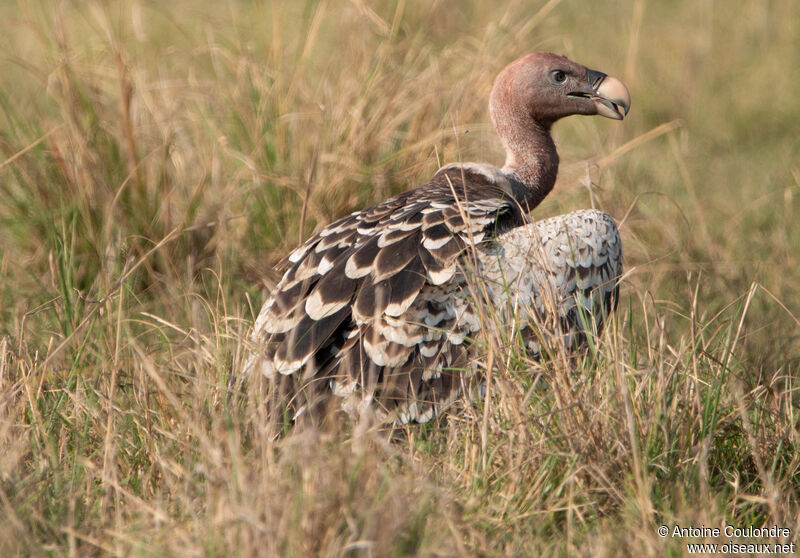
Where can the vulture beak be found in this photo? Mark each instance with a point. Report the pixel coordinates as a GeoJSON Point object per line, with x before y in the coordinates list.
{"type": "Point", "coordinates": [610, 96]}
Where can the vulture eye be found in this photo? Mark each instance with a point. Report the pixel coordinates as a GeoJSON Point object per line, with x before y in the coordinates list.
{"type": "Point", "coordinates": [558, 76]}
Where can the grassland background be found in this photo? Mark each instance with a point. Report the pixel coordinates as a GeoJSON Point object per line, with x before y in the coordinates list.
{"type": "Point", "coordinates": [156, 161]}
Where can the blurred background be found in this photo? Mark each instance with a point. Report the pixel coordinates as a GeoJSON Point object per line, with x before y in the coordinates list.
{"type": "Point", "coordinates": [157, 160]}
{"type": "Point", "coordinates": [239, 127]}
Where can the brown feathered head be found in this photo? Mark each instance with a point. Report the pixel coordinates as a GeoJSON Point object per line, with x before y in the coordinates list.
{"type": "Point", "coordinates": [542, 87]}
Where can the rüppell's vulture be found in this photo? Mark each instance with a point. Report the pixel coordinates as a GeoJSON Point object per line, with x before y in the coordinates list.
{"type": "Point", "coordinates": [383, 307]}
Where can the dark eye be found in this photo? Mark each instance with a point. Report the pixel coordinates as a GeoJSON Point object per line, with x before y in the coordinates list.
{"type": "Point", "coordinates": [558, 76]}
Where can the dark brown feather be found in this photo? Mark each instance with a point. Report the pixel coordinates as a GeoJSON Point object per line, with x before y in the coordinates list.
{"type": "Point", "coordinates": [307, 337]}
{"type": "Point", "coordinates": [394, 258]}
{"type": "Point", "coordinates": [364, 254]}
{"type": "Point", "coordinates": [404, 286]}
{"type": "Point", "coordinates": [334, 287]}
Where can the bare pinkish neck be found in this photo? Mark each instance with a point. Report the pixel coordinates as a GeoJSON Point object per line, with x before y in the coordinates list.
{"type": "Point", "coordinates": [531, 161]}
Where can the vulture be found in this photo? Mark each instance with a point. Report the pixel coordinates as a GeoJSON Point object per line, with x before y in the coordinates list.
{"type": "Point", "coordinates": [387, 306]}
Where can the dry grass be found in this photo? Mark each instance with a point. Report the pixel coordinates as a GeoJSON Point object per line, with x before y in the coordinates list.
{"type": "Point", "coordinates": [155, 162]}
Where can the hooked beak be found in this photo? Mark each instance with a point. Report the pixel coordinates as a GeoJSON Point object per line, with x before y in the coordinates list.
{"type": "Point", "coordinates": [610, 96]}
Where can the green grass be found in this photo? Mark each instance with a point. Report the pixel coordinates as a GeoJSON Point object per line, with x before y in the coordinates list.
{"type": "Point", "coordinates": [156, 162]}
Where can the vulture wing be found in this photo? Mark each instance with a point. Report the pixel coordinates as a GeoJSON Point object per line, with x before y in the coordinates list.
{"type": "Point", "coordinates": [371, 302]}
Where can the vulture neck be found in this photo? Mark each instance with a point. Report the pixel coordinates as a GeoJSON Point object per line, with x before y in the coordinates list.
{"type": "Point", "coordinates": [531, 161]}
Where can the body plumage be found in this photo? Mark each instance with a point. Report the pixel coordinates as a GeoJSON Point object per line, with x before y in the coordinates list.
{"type": "Point", "coordinates": [382, 305]}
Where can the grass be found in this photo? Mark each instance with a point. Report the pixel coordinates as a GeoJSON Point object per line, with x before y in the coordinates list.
{"type": "Point", "coordinates": [156, 162]}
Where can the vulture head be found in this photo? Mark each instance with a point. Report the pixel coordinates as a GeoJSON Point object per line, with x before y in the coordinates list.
{"type": "Point", "coordinates": [542, 87]}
